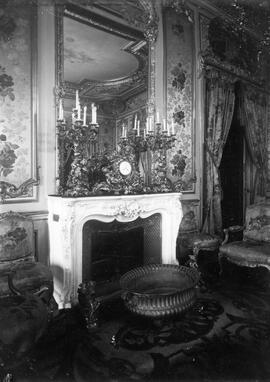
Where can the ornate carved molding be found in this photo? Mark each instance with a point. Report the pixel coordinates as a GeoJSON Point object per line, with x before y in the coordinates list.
{"type": "Point", "coordinates": [151, 20]}
{"type": "Point", "coordinates": [129, 210]}
{"type": "Point", "coordinates": [8, 190]}
{"type": "Point", "coordinates": [149, 27]}
{"type": "Point", "coordinates": [137, 49]}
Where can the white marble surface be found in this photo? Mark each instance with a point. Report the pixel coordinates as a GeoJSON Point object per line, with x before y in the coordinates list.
{"type": "Point", "coordinates": [67, 217]}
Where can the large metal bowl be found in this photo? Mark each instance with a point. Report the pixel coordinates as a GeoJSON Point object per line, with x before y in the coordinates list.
{"type": "Point", "coordinates": [159, 290]}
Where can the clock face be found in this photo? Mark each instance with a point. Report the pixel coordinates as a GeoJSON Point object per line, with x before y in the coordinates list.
{"type": "Point", "coordinates": [125, 168]}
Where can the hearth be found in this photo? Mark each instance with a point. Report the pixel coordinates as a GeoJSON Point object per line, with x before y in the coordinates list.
{"type": "Point", "coordinates": [112, 249]}
{"type": "Point", "coordinates": [70, 217]}
{"type": "Point", "coordinates": [109, 250]}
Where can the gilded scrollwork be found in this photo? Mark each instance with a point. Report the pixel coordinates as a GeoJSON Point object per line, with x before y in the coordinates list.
{"type": "Point", "coordinates": [8, 190]}
{"type": "Point", "coordinates": [143, 17]}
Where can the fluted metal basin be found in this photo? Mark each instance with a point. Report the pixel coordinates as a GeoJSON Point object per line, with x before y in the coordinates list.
{"type": "Point", "coordinates": [159, 290]}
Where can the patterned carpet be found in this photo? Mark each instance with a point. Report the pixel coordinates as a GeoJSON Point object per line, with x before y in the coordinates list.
{"type": "Point", "coordinates": [224, 337]}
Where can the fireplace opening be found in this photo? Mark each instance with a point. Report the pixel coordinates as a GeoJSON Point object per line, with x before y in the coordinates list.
{"type": "Point", "coordinates": [112, 249]}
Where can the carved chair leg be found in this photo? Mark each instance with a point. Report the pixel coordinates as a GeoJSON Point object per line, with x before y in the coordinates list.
{"type": "Point", "coordinates": [193, 259]}
{"type": "Point", "coordinates": [193, 263]}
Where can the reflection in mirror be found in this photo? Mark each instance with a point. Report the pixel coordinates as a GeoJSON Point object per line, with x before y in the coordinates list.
{"type": "Point", "coordinates": [105, 108]}
{"type": "Point", "coordinates": [107, 63]}
{"type": "Point", "coordinates": [102, 80]}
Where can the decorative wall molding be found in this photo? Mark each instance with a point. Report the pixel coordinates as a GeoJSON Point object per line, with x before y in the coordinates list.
{"type": "Point", "coordinates": [37, 215]}
{"type": "Point", "coordinates": [10, 193]}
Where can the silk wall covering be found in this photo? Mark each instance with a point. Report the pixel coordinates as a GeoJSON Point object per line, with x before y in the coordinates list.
{"type": "Point", "coordinates": [18, 100]}
{"type": "Point", "coordinates": [179, 69]}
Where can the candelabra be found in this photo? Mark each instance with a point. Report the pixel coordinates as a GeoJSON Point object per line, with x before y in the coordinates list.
{"type": "Point", "coordinates": [82, 169]}
{"type": "Point", "coordinates": [151, 141]}
{"type": "Point", "coordinates": [76, 143]}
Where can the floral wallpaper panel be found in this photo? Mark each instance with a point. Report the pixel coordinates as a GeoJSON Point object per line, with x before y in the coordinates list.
{"type": "Point", "coordinates": [16, 125]}
{"type": "Point", "coordinates": [179, 75]}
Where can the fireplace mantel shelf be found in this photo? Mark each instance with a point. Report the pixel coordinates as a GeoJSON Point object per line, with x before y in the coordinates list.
{"type": "Point", "coordinates": [67, 217]}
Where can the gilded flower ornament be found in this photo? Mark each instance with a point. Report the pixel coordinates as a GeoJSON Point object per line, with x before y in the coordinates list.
{"type": "Point", "coordinates": [128, 210]}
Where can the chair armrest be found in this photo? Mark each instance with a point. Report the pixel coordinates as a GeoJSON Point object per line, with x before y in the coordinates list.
{"type": "Point", "coordinates": [231, 229]}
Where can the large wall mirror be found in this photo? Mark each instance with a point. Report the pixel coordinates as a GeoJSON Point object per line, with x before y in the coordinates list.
{"type": "Point", "coordinates": [106, 60]}
{"type": "Point", "coordinates": [105, 63]}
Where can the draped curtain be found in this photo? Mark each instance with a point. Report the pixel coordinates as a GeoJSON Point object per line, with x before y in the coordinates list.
{"type": "Point", "coordinates": [220, 100]}
{"type": "Point", "coordinates": [253, 115]}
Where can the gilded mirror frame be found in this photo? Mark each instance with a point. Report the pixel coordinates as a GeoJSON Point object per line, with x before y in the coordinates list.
{"type": "Point", "coordinates": [150, 30]}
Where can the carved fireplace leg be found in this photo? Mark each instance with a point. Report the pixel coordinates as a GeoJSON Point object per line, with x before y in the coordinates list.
{"type": "Point", "coordinates": [89, 304]}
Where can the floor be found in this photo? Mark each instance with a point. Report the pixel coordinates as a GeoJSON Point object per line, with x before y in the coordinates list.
{"type": "Point", "coordinates": [224, 337]}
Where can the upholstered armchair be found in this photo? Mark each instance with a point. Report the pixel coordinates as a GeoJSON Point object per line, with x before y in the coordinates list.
{"type": "Point", "coordinates": [254, 249]}
{"type": "Point", "coordinates": [17, 255]}
{"type": "Point", "coordinates": [26, 286]}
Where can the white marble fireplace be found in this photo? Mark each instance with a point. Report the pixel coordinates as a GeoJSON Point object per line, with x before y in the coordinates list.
{"type": "Point", "coordinates": [67, 217]}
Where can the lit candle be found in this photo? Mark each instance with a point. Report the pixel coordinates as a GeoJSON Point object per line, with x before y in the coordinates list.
{"type": "Point", "coordinates": [79, 112]}
{"type": "Point", "coordinates": [150, 125]}
{"type": "Point", "coordinates": [157, 117]}
{"type": "Point", "coordinates": [84, 115]}
{"type": "Point", "coordinates": [94, 114]}
{"type": "Point", "coordinates": [147, 125]}
{"type": "Point", "coordinates": [73, 117]}
{"type": "Point", "coordinates": [138, 128]}
{"type": "Point", "coordinates": [173, 128]}
{"type": "Point", "coordinates": [123, 131]}
{"type": "Point", "coordinates": [135, 122]}
{"type": "Point", "coordinates": [77, 99]}
{"type": "Point", "coordinates": [61, 111]}
{"type": "Point", "coordinates": [164, 125]}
